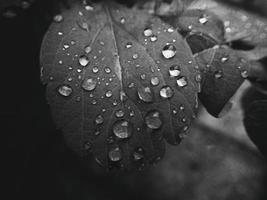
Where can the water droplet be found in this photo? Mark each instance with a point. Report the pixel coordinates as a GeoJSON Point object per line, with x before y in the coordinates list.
{"type": "Point", "coordinates": [109, 94]}
{"type": "Point", "coordinates": [153, 120]}
{"type": "Point", "coordinates": [122, 20]}
{"type": "Point", "coordinates": [170, 30]}
{"type": "Point", "coordinates": [130, 85]}
{"type": "Point", "coordinates": [198, 78]}
{"type": "Point", "coordinates": [138, 154]}
{"type": "Point", "coordinates": [95, 69]}
{"type": "Point", "coordinates": [145, 94]}
{"type": "Point", "coordinates": [135, 56]}
{"type": "Point", "coordinates": [166, 92]}
{"type": "Point", "coordinates": [154, 81]}
{"type": "Point", "coordinates": [175, 70]}
{"type": "Point", "coordinates": [119, 113]}
{"type": "Point", "coordinates": [89, 8]}
{"type": "Point", "coordinates": [244, 74]}
{"type": "Point", "coordinates": [58, 18]}
{"type": "Point", "coordinates": [99, 119]}
{"type": "Point", "coordinates": [83, 60]}
{"type": "Point", "coordinates": [122, 129]}
{"type": "Point", "coordinates": [65, 90]}
{"type": "Point", "coordinates": [66, 46]}
{"type": "Point", "coordinates": [169, 51]}
{"type": "Point", "coordinates": [107, 70]}
{"type": "Point", "coordinates": [153, 38]}
{"type": "Point", "coordinates": [182, 82]}
{"type": "Point", "coordinates": [115, 154]}
{"type": "Point", "coordinates": [203, 19]}
{"type": "Point", "coordinates": [218, 74]}
{"type": "Point", "coordinates": [148, 32]}
{"type": "Point", "coordinates": [129, 45]}
{"type": "Point", "coordinates": [89, 84]}
{"type": "Point", "coordinates": [224, 59]}
{"type": "Point", "coordinates": [87, 49]}
{"type": "Point", "coordinates": [143, 76]}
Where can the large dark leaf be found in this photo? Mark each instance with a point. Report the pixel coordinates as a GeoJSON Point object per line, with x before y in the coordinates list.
{"type": "Point", "coordinates": [118, 82]}
{"type": "Point", "coordinates": [223, 71]}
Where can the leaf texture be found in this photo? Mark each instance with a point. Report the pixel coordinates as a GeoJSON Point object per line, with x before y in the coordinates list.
{"type": "Point", "coordinates": [119, 81]}
{"type": "Point", "coordinates": [223, 71]}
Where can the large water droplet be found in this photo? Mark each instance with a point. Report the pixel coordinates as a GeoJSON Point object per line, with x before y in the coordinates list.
{"type": "Point", "coordinates": [168, 51]}
{"type": "Point", "coordinates": [65, 90]}
{"type": "Point", "coordinates": [166, 92]}
{"type": "Point", "coordinates": [148, 32]}
{"type": "Point", "coordinates": [145, 94]}
{"type": "Point", "coordinates": [122, 129]}
{"type": "Point", "coordinates": [182, 82]}
{"type": "Point", "coordinates": [115, 154]}
{"type": "Point", "coordinates": [153, 120]}
{"type": "Point", "coordinates": [99, 119]}
{"type": "Point", "coordinates": [83, 60]}
{"type": "Point", "coordinates": [89, 84]}
{"type": "Point", "coordinates": [175, 70]}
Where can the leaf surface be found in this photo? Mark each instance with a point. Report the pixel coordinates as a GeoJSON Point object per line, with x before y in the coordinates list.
{"type": "Point", "coordinates": [223, 71]}
{"type": "Point", "coordinates": [109, 84]}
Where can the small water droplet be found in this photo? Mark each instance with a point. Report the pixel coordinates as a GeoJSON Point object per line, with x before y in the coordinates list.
{"type": "Point", "coordinates": [122, 129]}
{"type": "Point", "coordinates": [109, 94]}
{"type": "Point", "coordinates": [115, 154]}
{"type": "Point", "coordinates": [128, 45]}
{"type": "Point", "coordinates": [135, 56]}
{"type": "Point", "coordinates": [148, 32]}
{"type": "Point", "coordinates": [99, 119]}
{"type": "Point", "coordinates": [58, 18]}
{"type": "Point", "coordinates": [218, 74]}
{"type": "Point", "coordinates": [95, 69]}
{"type": "Point", "coordinates": [175, 70]}
{"type": "Point", "coordinates": [87, 49]}
{"type": "Point", "coordinates": [119, 113]}
{"type": "Point", "coordinates": [65, 90]}
{"type": "Point", "coordinates": [203, 19]}
{"type": "Point", "coordinates": [145, 94]}
{"type": "Point", "coordinates": [244, 74]}
{"type": "Point", "coordinates": [143, 76]}
{"type": "Point", "coordinates": [122, 20]}
{"type": "Point", "coordinates": [182, 82]}
{"type": "Point", "coordinates": [138, 154]}
{"type": "Point", "coordinates": [153, 38]}
{"type": "Point", "coordinates": [66, 46]}
{"type": "Point", "coordinates": [83, 60]}
{"type": "Point", "coordinates": [168, 51]}
{"type": "Point", "coordinates": [224, 59]}
{"type": "Point", "coordinates": [107, 70]}
{"type": "Point", "coordinates": [130, 85]}
{"type": "Point", "coordinates": [154, 81]}
{"type": "Point", "coordinates": [166, 92]}
{"type": "Point", "coordinates": [89, 84]}
{"type": "Point", "coordinates": [153, 120]}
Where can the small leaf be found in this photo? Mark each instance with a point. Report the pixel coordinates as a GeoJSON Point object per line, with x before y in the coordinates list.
{"type": "Point", "coordinates": [109, 84]}
{"type": "Point", "coordinates": [223, 71]}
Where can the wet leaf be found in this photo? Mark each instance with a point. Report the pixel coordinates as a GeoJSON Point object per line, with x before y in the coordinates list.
{"type": "Point", "coordinates": [223, 71]}
{"type": "Point", "coordinates": [118, 82]}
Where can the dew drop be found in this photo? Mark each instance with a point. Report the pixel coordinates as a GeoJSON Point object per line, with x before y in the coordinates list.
{"type": "Point", "coordinates": [109, 94]}
{"type": "Point", "coordinates": [65, 90]}
{"type": "Point", "coordinates": [244, 74]}
{"type": "Point", "coordinates": [174, 71]}
{"type": "Point", "coordinates": [145, 94]}
{"type": "Point", "coordinates": [115, 154]}
{"type": "Point", "coordinates": [99, 119]}
{"type": "Point", "coordinates": [169, 51]}
{"type": "Point", "coordinates": [154, 81]}
{"type": "Point", "coordinates": [153, 38]}
{"type": "Point", "coordinates": [128, 45]}
{"type": "Point", "coordinates": [148, 32]}
{"type": "Point", "coordinates": [122, 129]}
{"type": "Point", "coordinates": [122, 20]}
{"type": "Point", "coordinates": [95, 69]}
{"type": "Point", "coordinates": [153, 120]}
{"type": "Point", "coordinates": [203, 19]}
{"type": "Point", "coordinates": [89, 84]}
{"type": "Point", "coordinates": [89, 8]}
{"type": "Point", "coordinates": [83, 60]}
{"type": "Point", "coordinates": [218, 74]}
{"type": "Point", "coordinates": [170, 30]}
{"type": "Point", "coordinates": [182, 82]}
{"type": "Point", "coordinates": [107, 70]}
{"type": "Point", "coordinates": [166, 92]}
{"type": "Point", "coordinates": [135, 56]}
{"type": "Point", "coordinates": [87, 49]}
{"type": "Point", "coordinates": [119, 113]}
{"type": "Point", "coordinates": [58, 18]}
{"type": "Point", "coordinates": [224, 59]}
{"type": "Point", "coordinates": [138, 154]}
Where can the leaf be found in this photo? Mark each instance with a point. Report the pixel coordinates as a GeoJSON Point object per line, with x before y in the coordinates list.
{"type": "Point", "coordinates": [223, 71]}
{"type": "Point", "coordinates": [109, 87]}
